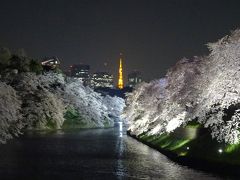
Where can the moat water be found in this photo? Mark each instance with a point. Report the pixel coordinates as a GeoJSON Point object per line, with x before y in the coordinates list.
{"type": "Point", "coordinates": [88, 154]}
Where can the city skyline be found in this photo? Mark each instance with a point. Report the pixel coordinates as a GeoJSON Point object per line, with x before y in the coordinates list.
{"type": "Point", "coordinates": [152, 35]}
{"type": "Point", "coordinates": [122, 80]}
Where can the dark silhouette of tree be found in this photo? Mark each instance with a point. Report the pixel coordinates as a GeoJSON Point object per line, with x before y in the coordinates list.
{"type": "Point", "coordinates": [35, 66]}
{"type": "Point", "coordinates": [19, 63]}
{"type": "Point", "coordinates": [5, 55]}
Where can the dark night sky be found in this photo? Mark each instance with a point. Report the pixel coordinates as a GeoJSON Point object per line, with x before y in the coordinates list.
{"type": "Point", "coordinates": [153, 34]}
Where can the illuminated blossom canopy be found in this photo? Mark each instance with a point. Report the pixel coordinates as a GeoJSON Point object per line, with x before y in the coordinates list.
{"type": "Point", "coordinates": [204, 89]}
{"type": "Point", "coordinates": [41, 102]}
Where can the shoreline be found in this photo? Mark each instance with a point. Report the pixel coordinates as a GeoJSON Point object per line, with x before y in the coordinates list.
{"type": "Point", "coordinates": [224, 169]}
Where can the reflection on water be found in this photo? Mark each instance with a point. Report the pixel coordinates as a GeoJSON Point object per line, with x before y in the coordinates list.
{"type": "Point", "coordinates": [120, 125]}
{"type": "Point", "coordinates": [120, 169]}
{"type": "Point", "coordinates": [88, 154]}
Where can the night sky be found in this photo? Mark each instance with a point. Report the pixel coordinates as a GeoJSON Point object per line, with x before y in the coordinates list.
{"type": "Point", "coordinates": [152, 34]}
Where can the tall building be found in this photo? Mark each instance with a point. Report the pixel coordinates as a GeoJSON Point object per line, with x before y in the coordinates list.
{"type": "Point", "coordinates": [80, 71]}
{"type": "Point", "coordinates": [134, 78]}
{"type": "Point", "coordinates": [120, 75]}
{"type": "Point", "coordinates": [102, 79]}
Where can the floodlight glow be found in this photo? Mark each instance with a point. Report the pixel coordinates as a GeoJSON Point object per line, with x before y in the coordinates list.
{"type": "Point", "coordinates": [220, 151]}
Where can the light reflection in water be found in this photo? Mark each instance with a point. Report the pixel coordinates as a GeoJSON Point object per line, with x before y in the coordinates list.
{"type": "Point", "coordinates": [147, 162]}
{"type": "Point", "coordinates": [120, 129]}
{"type": "Point", "coordinates": [88, 154]}
{"type": "Point", "coordinates": [120, 169]}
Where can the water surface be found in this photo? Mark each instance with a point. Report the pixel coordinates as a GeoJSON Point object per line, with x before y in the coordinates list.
{"type": "Point", "coordinates": [88, 154]}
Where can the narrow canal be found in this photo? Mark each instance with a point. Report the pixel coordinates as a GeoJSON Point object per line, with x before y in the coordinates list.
{"type": "Point", "coordinates": [88, 154]}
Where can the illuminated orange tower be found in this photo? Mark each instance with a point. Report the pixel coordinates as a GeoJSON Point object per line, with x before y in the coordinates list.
{"type": "Point", "coordinates": [120, 74]}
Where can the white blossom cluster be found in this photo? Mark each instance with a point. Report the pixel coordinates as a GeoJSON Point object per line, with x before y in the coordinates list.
{"type": "Point", "coordinates": [89, 103]}
{"type": "Point", "coordinates": [35, 101]}
{"type": "Point", "coordinates": [10, 115]}
{"type": "Point", "coordinates": [114, 105]}
{"type": "Point", "coordinates": [203, 89]}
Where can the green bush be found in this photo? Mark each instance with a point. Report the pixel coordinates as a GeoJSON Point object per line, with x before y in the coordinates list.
{"type": "Point", "coordinates": [51, 124]}
{"type": "Point", "coordinates": [73, 119]}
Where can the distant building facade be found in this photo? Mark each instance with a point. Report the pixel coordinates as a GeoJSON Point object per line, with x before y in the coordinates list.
{"type": "Point", "coordinates": [134, 78]}
{"type": "Point", "coordinates": [80, 71]}
{"type": "Point", "coordinates": [50, 63]}
{"type": "Point", "coordinates": [102, 79]}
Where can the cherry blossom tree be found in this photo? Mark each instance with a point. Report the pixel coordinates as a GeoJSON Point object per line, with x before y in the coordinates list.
{"type": "Point", "coordinates": [10, 116]}
{"type": "Point", "coordinates": [204, 89]}
{"type": "Point", "coordinates": [33, 101]}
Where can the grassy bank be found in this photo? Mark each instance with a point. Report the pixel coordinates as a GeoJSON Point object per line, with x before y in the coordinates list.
{"type": "Point", "coordinates": [193, 146]}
